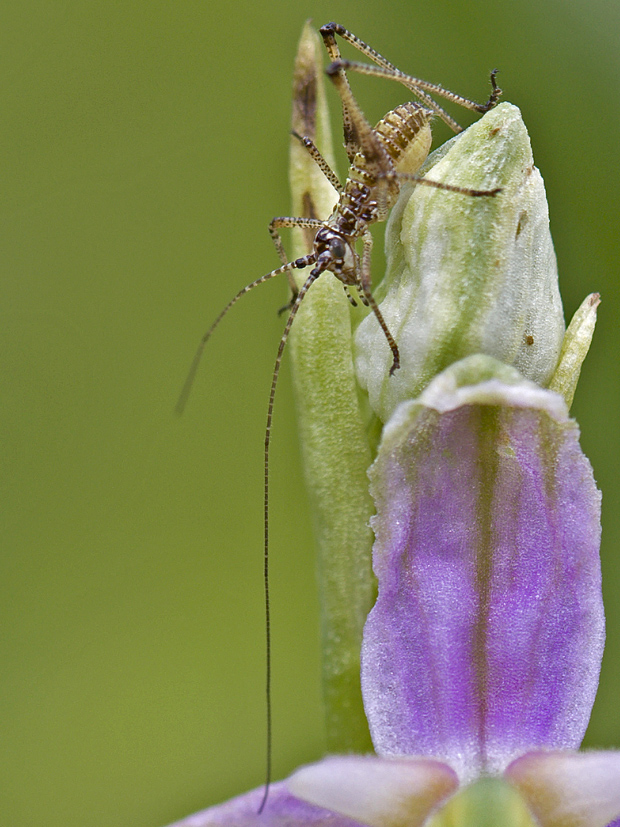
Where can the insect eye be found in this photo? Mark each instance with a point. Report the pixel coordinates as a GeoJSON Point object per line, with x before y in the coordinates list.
{"type": "Point", "coordinates": [337, 247]}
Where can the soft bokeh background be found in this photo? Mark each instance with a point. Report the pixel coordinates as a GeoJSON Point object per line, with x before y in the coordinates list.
{"type": "Point", "coordinates": [145, 150]}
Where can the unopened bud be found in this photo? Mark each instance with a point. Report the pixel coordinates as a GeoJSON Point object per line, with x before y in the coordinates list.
{"type": "Point", "coordinates": [467, 274]}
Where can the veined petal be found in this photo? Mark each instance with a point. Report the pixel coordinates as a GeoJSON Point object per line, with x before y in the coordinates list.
{"type": "Point", "coordinates": [379, 792]}
{"type": "Point", "coordinates": [487, 635]}
{"type": "Point", "coordinates": [569, 789]}
{"type": "Point", "coordinates": [282, 810]}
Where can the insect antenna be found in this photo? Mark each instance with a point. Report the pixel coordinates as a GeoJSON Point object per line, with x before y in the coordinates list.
{"type": "Point", "coordinates": [191, 375]}
{"type": "Point", "coordinates": [315, 273]}
{"type": "Point", "coordinates": [297, 264]}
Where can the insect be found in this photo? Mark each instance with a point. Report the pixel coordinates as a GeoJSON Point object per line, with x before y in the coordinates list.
{"type": "Point", "coordinates": [380, 158]}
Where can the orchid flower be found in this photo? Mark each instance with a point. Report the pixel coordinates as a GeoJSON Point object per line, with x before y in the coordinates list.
{"type": "Point", "coordinates": [479, 661]}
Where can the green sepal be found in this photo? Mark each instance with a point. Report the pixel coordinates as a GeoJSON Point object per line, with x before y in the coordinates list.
{"type": "Point", "coordinates": [575, 347]}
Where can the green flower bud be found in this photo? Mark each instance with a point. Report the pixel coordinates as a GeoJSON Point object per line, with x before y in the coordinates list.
{"type": "Point", "coordinates": [467, 274]}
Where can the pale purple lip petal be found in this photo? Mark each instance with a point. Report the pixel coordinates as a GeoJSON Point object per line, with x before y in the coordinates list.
{"type": "Point", "coordinates": [580, 789]}
{"type": "Point", "coordinates": [282, 810]}
{"type": "Point", "coordinates": [380, 792]}
{"type": "Point", "coordinates": [487, 635]}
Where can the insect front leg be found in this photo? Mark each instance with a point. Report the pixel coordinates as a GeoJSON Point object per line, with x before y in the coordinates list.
{"type": "Point", "coordinates": [350, 298]}
{"type": "Point", "coordinates": [285, 222]}
{"type": "Point", "coordinates": [365, 285]}
{"type": "Point", "coordinates": [321, 163]}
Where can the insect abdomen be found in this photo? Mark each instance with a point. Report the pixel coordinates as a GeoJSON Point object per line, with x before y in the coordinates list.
{"type": "Point", "coordinates": [406, 135]}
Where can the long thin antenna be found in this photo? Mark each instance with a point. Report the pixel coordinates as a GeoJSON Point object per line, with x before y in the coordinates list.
{"type": "Point", "coordinates": [191, 375]}
{"type": "Point", "coordinates": [297, 264]}
{"type": "Point", "coordinates": [316, 272]}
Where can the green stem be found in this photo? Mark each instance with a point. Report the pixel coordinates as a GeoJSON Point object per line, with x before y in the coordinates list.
{"type": "Point", "coordinates": [335, 447]}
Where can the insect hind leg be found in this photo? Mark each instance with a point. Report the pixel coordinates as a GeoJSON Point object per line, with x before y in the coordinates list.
{"type": "Point", "coordinates": [421, 88]}
{"type": "Point", "coordinates": [351, 142]}
{"type": "Point", "coordinates": [363, 138]}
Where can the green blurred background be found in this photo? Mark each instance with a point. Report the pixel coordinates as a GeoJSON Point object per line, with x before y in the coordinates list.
{"type": "Point", "coordinates": [144, 152]}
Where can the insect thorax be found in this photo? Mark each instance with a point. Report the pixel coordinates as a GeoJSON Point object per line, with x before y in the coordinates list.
{"type": "Point", "coordinates": [356, 208]}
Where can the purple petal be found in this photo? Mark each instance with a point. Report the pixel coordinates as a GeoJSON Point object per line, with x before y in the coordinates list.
{"type": "Point", "coordinates": [570, 788]}
{"type": "Point", "coordinates": [377, 791]}
{"type": "Point", "coordinates": [487, 635]}
{"type": "Point", "coordinates": [282, 810]}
